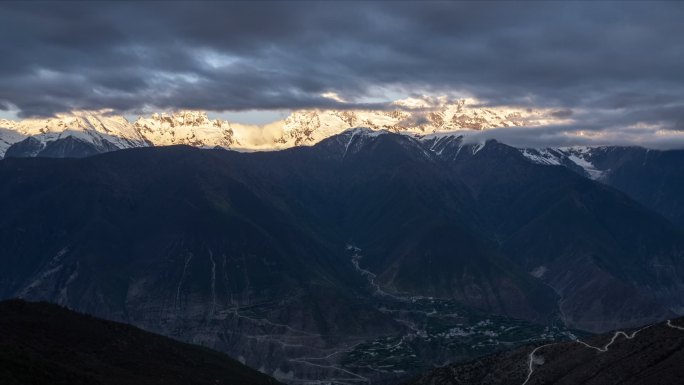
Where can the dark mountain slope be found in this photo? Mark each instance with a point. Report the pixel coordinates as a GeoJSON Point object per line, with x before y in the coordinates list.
{"type": "Point", "coordinates": [420, 228]}
{"type": "Point", "coordinates": [27, 148]}
{"type": "Point", "coordinates": [42, 343]}
{"type": "Point", "coordinates": [67, 147]}
{"type": "Point", "coordinates": [647, 356]}
{"type": "Point", "coordinates": [172, 240]}
{"type": "Point", "coordinates": [592, 244]}
{"type": "Point", "coordinates": [385, 194]}
{"type": "Point", "coordinates": [249, 253]}
{"type": "Point", "coordinates": [654, 178]}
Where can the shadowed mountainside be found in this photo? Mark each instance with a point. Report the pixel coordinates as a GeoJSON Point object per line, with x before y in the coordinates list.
{"type": "Point", "coordinates": [42, 343]}
{"type": "Point", "coordinates": [248, 253]}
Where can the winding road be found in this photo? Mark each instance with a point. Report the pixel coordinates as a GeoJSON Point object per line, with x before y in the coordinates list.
{"type": "Point", "coordinates": [533, 360]}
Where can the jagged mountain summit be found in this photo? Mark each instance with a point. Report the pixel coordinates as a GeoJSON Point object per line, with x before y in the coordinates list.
{"type": "Point", "coordinates": [193, 128]}
{"type": "Point", "coordinates": [100, 131]}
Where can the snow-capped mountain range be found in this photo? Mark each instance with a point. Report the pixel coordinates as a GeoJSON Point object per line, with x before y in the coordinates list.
{"type": "Point", "coordinates": [106, 131]}
{"type": "Point", "coordinates": [83, 133]}
{"type": "Point", "coordinates": [418, 116]}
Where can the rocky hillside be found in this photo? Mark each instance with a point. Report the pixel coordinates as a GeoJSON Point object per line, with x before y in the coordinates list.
{"type": "Point", "coordinates": [652, 354]}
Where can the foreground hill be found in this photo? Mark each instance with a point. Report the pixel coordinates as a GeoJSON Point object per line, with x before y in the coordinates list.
{"type": "Point", "coordinates": [649, 355]}
{"type": "Point", "coordinates": [41, 343]}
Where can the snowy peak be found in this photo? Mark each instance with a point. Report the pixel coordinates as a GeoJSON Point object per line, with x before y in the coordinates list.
{"type": "Point", "coordinates": [186, 127]}
{"type": "Point", "coordinates": [78, 123]}
{"type": "Point", "coordinates": [365, 141]}
{"type": "Point", "coordinates": [181, 118]}
{"type": "Point", "coordinates": [104, 132]}
{"type": "Point", "coordinates": [99, 129]}
{"type": "Point", "coordinates": [349, 141]}
{"type": "Point", "coordinates": [446, 147]}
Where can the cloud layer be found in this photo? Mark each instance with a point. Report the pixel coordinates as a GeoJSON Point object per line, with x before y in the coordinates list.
{"type": "Point", "coordinates": [607, 65]}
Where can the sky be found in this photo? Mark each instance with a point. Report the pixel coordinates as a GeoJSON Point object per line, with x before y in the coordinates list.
{"type": "Point", "coordinates": [610, 66]}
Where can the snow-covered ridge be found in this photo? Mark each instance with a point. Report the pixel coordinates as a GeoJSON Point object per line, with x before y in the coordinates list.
{"type": "Point", "coordinates": [579, 157]}
{"type": "Point", "coordinates": [417, 116]}
{"type": "Point", "coordinates": [92, 127]}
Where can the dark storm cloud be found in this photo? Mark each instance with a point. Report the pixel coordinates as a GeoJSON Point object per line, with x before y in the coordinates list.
{"type": "Point", "coordinates": [619, 63]}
